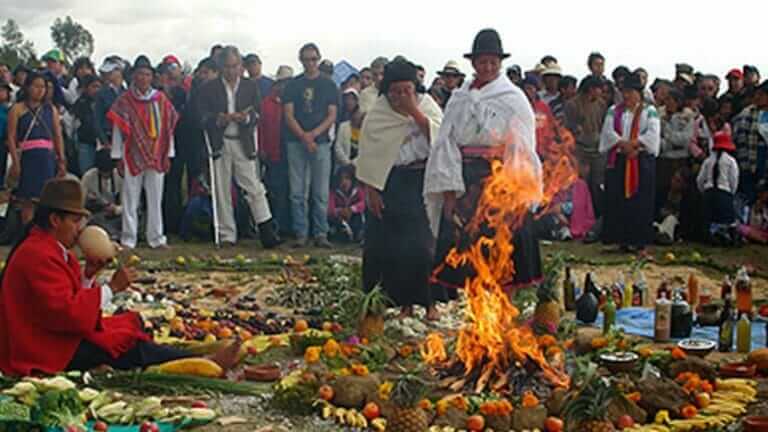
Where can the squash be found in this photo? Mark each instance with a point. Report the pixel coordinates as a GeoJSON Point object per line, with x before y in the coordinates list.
{"type": "Point", "coordinates": [96, 244]}
{"type": "Point", "coordinates": [759, 357]}
{"type": "Point", "coordinates": [195, 366]}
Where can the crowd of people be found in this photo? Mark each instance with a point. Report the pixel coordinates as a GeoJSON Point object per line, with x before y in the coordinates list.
{"type": "Point", "coordinates": [383, 160]}
{"type": "Point", "coordinates": [386, 159]}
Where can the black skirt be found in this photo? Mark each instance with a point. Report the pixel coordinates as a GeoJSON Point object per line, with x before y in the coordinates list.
{"type": "Point", "coordinates": [629, 221]}
{"type": "Point", "coordinates": [399, 248]}
{"type": "Point", "coordinates": [526, 254]}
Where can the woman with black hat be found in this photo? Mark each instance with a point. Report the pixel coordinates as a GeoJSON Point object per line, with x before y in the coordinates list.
{"type": "Point", "coordinates": [395, 141]}
{"type": "Point", "coordinates": [631, 139]}
{"type": "Point", "coordinates": [486, 108]}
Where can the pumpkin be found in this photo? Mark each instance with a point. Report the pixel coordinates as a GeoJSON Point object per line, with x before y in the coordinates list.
{"type": "Point", "coordinates": [96, 244]}
{"type": "Point", "coordinates": [301, 326]}
{"type": "Point", "coordinates": [371, 411]}
{"type": "Point", "coordinates": [760, 358]}
{"type": "Point", "coordinates": [553, 424]}
{"type": "Point", "coordinates": [476, 423]}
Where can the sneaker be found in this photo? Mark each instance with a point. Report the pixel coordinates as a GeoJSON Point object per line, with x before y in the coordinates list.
{"type": "Point", "coordinates": [301, 242]}
{"type": "Point", "coordinates": [323, 243]}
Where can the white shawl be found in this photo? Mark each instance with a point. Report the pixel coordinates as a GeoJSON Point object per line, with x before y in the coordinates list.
{"type": "Point", "coordinates": [477, 117]}
{"type": "Point", "coordinates": [384, 132]}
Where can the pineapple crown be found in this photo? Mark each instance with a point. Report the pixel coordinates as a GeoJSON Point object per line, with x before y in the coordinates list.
{"type": "Point", "coordinates": [591, 402]}
{"type": "Point", "coordinates": [553, 267]}
{"type": "Point", "coordinates": [408, 390]}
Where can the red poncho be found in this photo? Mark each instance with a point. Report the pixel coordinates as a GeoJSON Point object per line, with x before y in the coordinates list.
{"type": "Point", "coordinates": [147, 127]}
{"type": "Point", "coordinates": [45, 312]}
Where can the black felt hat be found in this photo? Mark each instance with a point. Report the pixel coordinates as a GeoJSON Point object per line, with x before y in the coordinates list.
{"type": "Point", "coordinates": [396, 71]}
{"type": "Point", "coordinates": [142, 62]}
{"type": "Point", "coordinates": [487, 41]}
{"type": "Point", "coordinates": [633, 82]}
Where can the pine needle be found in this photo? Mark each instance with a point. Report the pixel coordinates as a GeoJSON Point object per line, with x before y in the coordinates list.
{"type": "Point", "coordinates": [152, 383]}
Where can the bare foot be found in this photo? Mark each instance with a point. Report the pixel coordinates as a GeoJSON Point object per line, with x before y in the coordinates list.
{"type": "Point", "coordinates": [229, 356]}
{"type": "Point", "coordinates": [432, 313]}
{"type": "Point", "coordinates": [405, 312]}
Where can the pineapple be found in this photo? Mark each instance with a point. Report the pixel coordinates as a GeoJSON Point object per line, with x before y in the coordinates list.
{"type": "Point", "coordinates": [371, 309]}
{"type": "Point", "coordinates": [406, 416]}
{"type": "Point", "coordinates": [587, 410]}
{"type": "Point", "coordinates": [547, 313]}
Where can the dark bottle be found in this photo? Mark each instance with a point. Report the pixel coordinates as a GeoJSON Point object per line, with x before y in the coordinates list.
{"type": "Point", "coordinates": [664, 291]}
{"type": "Point", "coordinates": [725, 339]}
{"type": "Point", "coordinates": [569, 290]}
{"type": "Point", "coordinates": [588, 302]}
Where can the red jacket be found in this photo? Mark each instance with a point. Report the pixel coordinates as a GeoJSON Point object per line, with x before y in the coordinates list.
{"type": "Point", "coordinates": [270, 127]}
{"type": "Point", "coordinates": [338, 200]}
{"type": "Point", "coordinates": [45, 312]}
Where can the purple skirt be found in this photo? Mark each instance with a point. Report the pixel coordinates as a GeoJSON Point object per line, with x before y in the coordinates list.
{"type": "Point", "coordinates": [37, 167]}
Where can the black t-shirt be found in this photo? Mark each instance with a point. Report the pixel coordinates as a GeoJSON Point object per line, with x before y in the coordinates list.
{"type": "Point", "coordinates": [311, 100]}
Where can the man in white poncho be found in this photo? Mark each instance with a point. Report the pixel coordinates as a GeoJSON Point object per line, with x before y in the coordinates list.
{"type": "Point", "coordinates": [488, 118]}
{"type": "Point", "coordinates": [395, 142]}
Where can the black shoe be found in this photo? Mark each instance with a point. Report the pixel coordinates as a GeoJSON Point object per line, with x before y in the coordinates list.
{"type": "Point", "coordinates": [268, 235]}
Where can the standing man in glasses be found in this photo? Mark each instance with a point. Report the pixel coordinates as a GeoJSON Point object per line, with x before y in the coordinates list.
{"type": "Point", "coordinates": [310, 104]}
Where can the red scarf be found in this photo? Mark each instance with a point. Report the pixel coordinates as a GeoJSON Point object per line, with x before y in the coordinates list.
{"type": "Point", "coordinates": [631, 164]}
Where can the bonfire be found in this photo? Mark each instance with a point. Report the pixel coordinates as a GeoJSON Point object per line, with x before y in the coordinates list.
{"type": "Point", "coordinates": [494, 350]}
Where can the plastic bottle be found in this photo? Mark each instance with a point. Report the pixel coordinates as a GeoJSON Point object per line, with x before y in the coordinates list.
{"type": "Point", "coordinates": [627, 291]}
{"type": "Point", "coordinates": [662, 325]}
{"type": "Point", "coordinates": [569, 290]}
{"type": "Point", "coordinates": [743, 292]}
{"type": "Point", "coordinates": [693, 291]}
{"type": "Point", "coordinates": [725, 338]}
{"type": "Point", "coordinates": [744, 335]}
{"type": "Point", "coordinates": [609, 315]}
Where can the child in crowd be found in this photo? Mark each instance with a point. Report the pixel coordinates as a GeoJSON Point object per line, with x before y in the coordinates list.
{"type": "Point", "coordinates": [102, 186]}
{"type": "Point", "coordinates": [573, 215]}
{"type": "Point", "coordinates": [346, 207]}
{"type": "Point", "coordinates": [669, 214]}
{"type": "Point", "coordinates": [718, 180]}
{"type": "Point", "coordinates": [757, 228]}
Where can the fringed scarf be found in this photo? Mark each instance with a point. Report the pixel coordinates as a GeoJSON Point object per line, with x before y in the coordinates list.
{"type": "Point", "coordinates": [147, 125]}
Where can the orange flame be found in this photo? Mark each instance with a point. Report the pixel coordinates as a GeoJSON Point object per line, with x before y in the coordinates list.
{"type": "Point", "coordinates": [433, 350]}
{"type": "Point", "coordinates": [492, 338]}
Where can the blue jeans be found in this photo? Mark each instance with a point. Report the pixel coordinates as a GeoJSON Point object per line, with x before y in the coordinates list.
{"type": "Point", "coordinates": [86, 157]}
{"type": "Point", "coordinates": [309, 176]}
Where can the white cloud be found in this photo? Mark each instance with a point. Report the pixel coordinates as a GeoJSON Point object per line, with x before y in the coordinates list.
{"type": "Point", "coordinates": [653, 33]}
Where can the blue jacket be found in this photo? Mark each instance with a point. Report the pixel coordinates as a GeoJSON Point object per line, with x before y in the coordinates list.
{"type": "Point", "coordinates": [104, 100]}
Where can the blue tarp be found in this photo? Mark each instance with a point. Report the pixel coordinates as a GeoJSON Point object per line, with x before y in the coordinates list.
{"type": "Point", "coordinates": [343, 70]}
{"type": "Point", "coordinates": [639, 322]}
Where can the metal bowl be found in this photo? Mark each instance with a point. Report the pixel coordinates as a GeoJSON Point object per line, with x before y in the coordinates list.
{"type": "Point", "coordinates": [617, 362]}
{"type": "Point", "coordinates": [697, 347]}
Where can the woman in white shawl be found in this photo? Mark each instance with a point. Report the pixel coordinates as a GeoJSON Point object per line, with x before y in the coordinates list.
{"type": "Point", "coordinates": [488, 118]}
{"type": "Point", "coordinates": [395, 142]}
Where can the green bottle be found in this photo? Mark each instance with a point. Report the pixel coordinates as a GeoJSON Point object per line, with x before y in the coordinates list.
{"type": "Point", "coordinates": [744, 334]}
{"type": "Point", "coordinates": [609, 314]}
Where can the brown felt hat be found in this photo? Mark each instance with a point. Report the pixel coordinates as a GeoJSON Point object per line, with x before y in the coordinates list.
{"type": "Point", "coordinates": [64, 194]}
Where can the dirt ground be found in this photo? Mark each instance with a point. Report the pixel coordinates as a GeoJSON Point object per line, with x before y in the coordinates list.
{"type": "Point", "coordinates": [606, 265]}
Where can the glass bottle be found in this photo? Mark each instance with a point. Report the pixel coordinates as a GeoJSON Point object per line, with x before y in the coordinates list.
{"type": "Point", "coordinates": [609, 315]}
{"type": "Point", "coordinates": [726, 287]}
{"type": "Point", "coordinates": [662, 326]}
{"type": "Point", "coordinates": [744, 335]}
{"type": "Point", "coordinates": [693, 291]}
{"type": "Point", "coordinates": [743, 292]}
{"type": "Point", "coordinates": [725, 338]}
{"type": "Point", "coordinates": [639, 290]}
{"type": "Point", "coordinates": [569, 290]}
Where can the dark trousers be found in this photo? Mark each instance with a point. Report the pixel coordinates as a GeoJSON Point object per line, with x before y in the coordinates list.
{"type": "Point", "coordinates": [278, 194]}
{"type": "Point", "coordinates": [355, 223]}
{"type": "Point", "coordinates": [89, 356]}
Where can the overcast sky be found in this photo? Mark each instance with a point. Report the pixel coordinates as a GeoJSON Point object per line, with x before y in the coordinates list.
{"type": "Point", "coordinates": [652, 33]}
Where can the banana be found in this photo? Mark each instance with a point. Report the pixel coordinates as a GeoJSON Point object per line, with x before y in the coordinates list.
{"type": "Point", "coordinates": [340, 415]}
{"type": "Point", "coordinates": [351, 418]}
{"type": "Point", "coordinates": [327, 411]}
{"type": "Point", "coordinates": [379, 424]}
